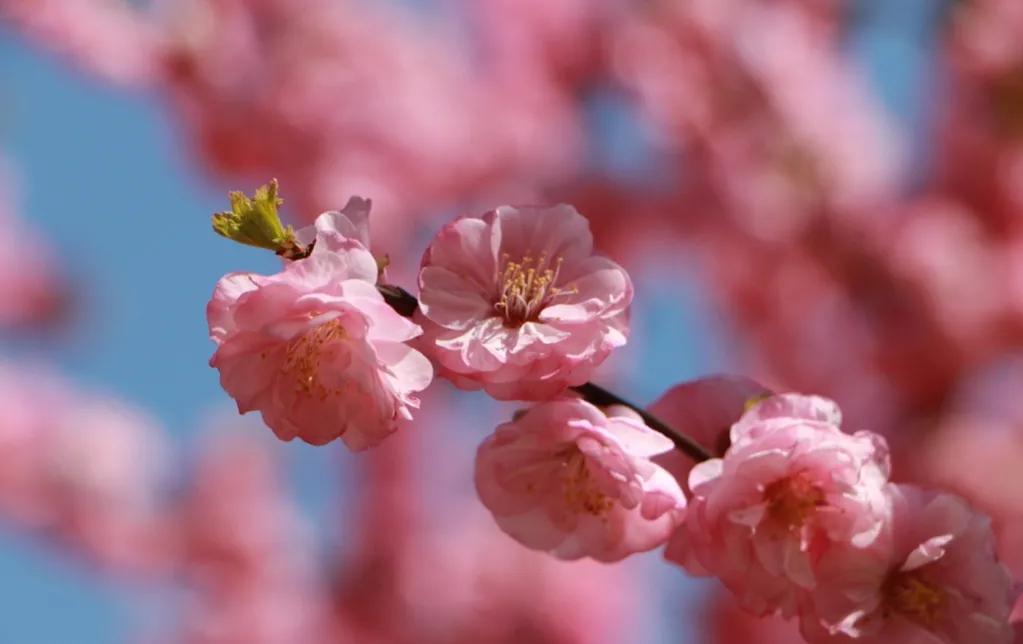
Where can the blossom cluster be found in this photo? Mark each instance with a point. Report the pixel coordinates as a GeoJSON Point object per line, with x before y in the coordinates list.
{"type": "Point", "coordinates": [799, 518]}
{"type": "Point", "coordinates": [795, 516]}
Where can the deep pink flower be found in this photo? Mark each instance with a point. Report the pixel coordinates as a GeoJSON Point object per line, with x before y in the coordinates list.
{"type": "Point", "coordinates": [515, 302]}
{"type": "Point", "coordinates": [315, 349]}
{"type": "Point", "coordinates": [932, 579]}
{"type": "Point", "coordinates": [566, 478]}
{"type": "Point", "coordinates": [791, 485]}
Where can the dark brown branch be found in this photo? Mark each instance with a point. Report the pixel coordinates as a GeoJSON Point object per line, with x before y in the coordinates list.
{"type": "Point", "coordinates": [406, 304]}
{"type": "Point", "coordinates": [601, 397]}
{"type": "Point", "coordinates": [400, 300]}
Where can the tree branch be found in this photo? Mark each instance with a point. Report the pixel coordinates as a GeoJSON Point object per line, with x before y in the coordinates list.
{"type": "Point", "coordinates": [406, 304]}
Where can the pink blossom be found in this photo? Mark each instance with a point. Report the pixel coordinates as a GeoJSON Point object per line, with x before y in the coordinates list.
{"type": "Point", "coordinates": [790, 487]}
{"type": "Point", "coordinates": [315, 349]}
{"type": "Point", "coordinates": [81, 467]}
{"type": "Point", "coordinates": [32, 289]}
{"type": "Point", "coordinates": [246, 553]}
{"type": "Point", "coordinates": [31, 401]}
{"type": "Point", "coordinates": [112, 39]}
{"type": "Point", "coordinates": [566, 478]}
{"type": "Point", "coordinates": [932, 578]}
{"type": "Point", "coordinates": [515, 302]}
{"type": "Point", "coordinates": [104, 467]}
{"type": "Point", "coordinates": [333, 229]}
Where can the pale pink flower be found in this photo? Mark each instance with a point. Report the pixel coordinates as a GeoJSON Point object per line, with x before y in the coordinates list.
{"type": "Point", "coordinates": [114, 40]}
{"type": "Point", "coordinates": [790, 487]}
{"type": "Point", "coordinates": [333, 229]}
{"type": "Point", "coordinates": [315, 349]}
{"type": "Point", "coordinates": [568, 479]}
{"type": "Point", "coordinates": [932, 579]}
{"type": "Point", "coordinates": [515, 302]}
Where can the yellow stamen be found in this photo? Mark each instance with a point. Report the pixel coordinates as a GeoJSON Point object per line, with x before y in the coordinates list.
{"type": "Point", "coordinates": [906, 593]}
{"type": "Point", "coordinates": [791, 501]}
{"type": "Point", "coordinates": [525, 287]}
{"type": "Point", "coordinates": [302, 357]}
{"type": "Point", "coordinates": [580, 489]}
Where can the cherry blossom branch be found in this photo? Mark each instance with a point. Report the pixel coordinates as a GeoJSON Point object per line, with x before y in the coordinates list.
{"type": "Point", "coordinates": [406, 304]}
{"type": "Point", "coordinates": [601, 397]}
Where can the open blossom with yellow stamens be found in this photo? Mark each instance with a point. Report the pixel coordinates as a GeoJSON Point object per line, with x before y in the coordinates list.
{"type": "Point", "coordinates": [791, 486]}
{"type": "Point", "coordinates": [516, 303]}
{"type": "Point", "coordinates": [315, 348]}
{"type": "Point", "coordinates": [932, 578]}
{"type": "Point", "coordinates": [568, 478]}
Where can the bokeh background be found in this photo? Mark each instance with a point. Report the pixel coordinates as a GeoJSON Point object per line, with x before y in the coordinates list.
{"type": "Point", "coordinates": [822, 194]}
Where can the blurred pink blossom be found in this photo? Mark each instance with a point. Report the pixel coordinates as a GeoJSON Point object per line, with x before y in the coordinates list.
{"type": "Point", "coordinates": [245, 553]}
{"type": "Point", "coordinates": [358, 97]}
{"type": "Point", "coordinates": [86, 469]}
{"type": "Point", "coordinates": [108, 37]}
{"type": "Point", "coordinates": [33, 293]}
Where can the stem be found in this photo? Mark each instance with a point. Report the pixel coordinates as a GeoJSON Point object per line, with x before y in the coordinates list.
{"type": "Point", "coordinates": [601, 397]}
{"type": "Point", "coordinates": [406, 304]}
{"type": "Point", "coordinates": [399, 299]}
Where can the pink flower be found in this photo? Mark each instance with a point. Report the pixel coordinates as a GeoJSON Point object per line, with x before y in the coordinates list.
{"type": "Point", "coordinates": [566, 478]}
{"type": "Point", "coordinates": [334, 229]}
{"type": "Point", "coordinates": [790, 487]}
{"type": "Point", "coordinates": [33, 292]}
{"type": "Point", "coordinates": [516, 303]}
{"type": "Point", "coordinates": [315, 349]}
{"type": "Point", "coordinates": [933, 578]}
{"type": "Point", "coordinates": [114, 40]}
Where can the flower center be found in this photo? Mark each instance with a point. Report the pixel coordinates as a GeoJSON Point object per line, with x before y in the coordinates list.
{"type": "Point", "coordinates": [906, 593]}
{"type": "Point", "coordinates": [791, 500]}
{"type": "Point", "coordinates": [579, 488]}
{"type": "Point", "coordinates": [302, 357]}
{"type": "Point", "coordinates": [525, 287]}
